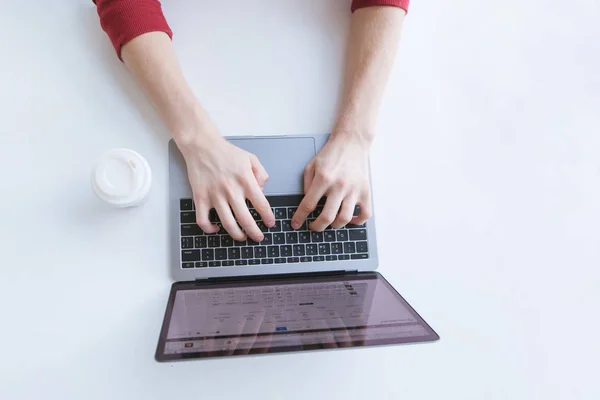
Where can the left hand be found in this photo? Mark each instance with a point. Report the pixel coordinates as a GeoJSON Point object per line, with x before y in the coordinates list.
{"type": "Point", "coordinates": [339, 171]}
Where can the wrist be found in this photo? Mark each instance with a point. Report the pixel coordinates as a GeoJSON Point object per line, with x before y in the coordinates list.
{"type": "Point", "coordinates": [354, 129]}
{"type": "Point", "coordinates": [196, 135]}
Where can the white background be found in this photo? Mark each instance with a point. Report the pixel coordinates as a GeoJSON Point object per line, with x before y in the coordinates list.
{"type": "Point", "coordinates": [486, 182]}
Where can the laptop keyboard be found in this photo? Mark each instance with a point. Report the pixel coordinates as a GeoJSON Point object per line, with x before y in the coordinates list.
{"type": "Point", "coordinates": [281, 245]}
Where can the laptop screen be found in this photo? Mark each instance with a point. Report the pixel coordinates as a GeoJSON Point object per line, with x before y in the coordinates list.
{"type": "Point", "coordinates": [216, 319]}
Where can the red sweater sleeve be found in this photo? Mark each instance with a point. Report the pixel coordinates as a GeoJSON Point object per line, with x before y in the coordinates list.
{"type": "Point", "coordinates": [123, 20]}
{"type": "Point", "coordinates": [356, 4]}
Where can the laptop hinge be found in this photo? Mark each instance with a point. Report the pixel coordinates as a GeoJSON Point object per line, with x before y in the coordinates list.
{"type": "Point", "coordinates": [252, 278]}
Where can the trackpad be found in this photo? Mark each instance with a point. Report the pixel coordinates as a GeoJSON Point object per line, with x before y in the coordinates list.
{"type": "Point", "coordinates": [283, 158]}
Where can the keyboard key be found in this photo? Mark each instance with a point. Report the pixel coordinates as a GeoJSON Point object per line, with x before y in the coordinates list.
{"type": "Point", "coordinates": [221, 254]}
{"type": "Point", "coordinates": [331, 258]}
{"type": "Point", "coordinates": [361, 256]}
{"type": "Point", "coordinates": [329, 236]}
{"type": "Point", "coordinates": [293, 260]}
{"type": "Point", "coordinates": [362, 247]}
{"type": "Point", "coordinates": [187, 265]}
{"type": "Point", "coordinates": [291, 237]}
{"type": "Point", "coordinates": [252, 242]}
{"type": "Point", "coordinates": [286, 251]}
{"type": "Point", "coordinates": [267, 261]}
{"type": "Point", "coordinates": [278, 238]}
{"type": "Point", "coordinates": [337, 248]}
{"type": "Point", "coordinates": [317, 211]}
{"type": "Point", "coordinates": [273, 251]}
{"type": "Point", "coordinates": [316, 237]}
{"type": "Point", "coordinates": [260, 252]}
{"type": "Point", "coordinates": [349, 247]}
{"type": "Point", "coordinates": [241, 262]}
{"type": "Point", "coordinates": [201, 264]}
{"type": "Point", "coordinates": [254, 262]}
{"type": "Point", "coordinates": [358, 234]}
{"type": "Point", "coordinates": [247, 252]}
{"type": "Point", "coordinates": [311, 250]}
{"type": "Point", "coordinates": [228, 263]}
{"type": "Point", "coordinates": [190, 255]}
{"type": "Point", "coordinates": [276, 227]}
{"type": "Point", "coordinates": [213, 216]}
{"type": "Point", "coordinates": [279, 260]}
{"type": "Point", "coordinates": [237, 243]}
{"type": "Point", "coordinates": [352, 226]}
{"type": "Point", "coordinates": [186, 204]}
{"type": "Point", "coordinates": [356, 210]}
{"type": "Point", "coordinates": [254, 214]}
{"type": "Point", "coordinates": [222, 230]}
{"type": "Point", "coordinates": [286, 225]}
{"type": "Point", "coordinates": [226, 241]}
{"type": "Point", "coordinates": [268, 240]}
{"type": "Point", "coordinates": [305, 259]}
{"type": "Point", "coordinates": [200, 242]}
{"type": "Point", "coordinates": [187, 242]}
{"type": "Point", "coordinates": [191, 230]}
{"type": "Point", "coordinates": [214, 264]}
{"type": "Point", "coordinates": [318, 258]}
{"type": "Point", "coordinates": [343, 257]}
{"type": "Point", "coordinates": [324, 249]}
{"type": "Point", "coordinates": [342, 235]}
{"type": "Point", "coordinates": [291, 211]}
{"type": "Point", "coordinates": [234, 253]}
{"type": "Point", "coordinates": [208, 255]}
{"type": "Point", "coordinates": [304, 237]}
{"type": "Point", "coordinates": [188, 217]}
{"type": "Point", "coordinates": [262, 226]}
{"type": "Point", "coordinates": [280, 213]}
{"type": "Point", "coordinates": [214, 241]}
{"type": "Point", "coordinates": [299, 250]}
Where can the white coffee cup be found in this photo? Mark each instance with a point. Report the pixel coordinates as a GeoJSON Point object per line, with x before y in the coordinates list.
{"type": "Point", "coordinates": [122, 178]}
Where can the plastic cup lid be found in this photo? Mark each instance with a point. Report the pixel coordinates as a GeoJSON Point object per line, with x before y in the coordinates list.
{"type": "Point", "coordinates": [122, 177]}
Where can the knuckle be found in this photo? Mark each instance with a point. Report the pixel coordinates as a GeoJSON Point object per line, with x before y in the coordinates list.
{"type": "Point", "coordinates": [203, 223]}
{"type": "Point", "coordinates": [324, 176]}
{"type": "Point", "coordinates": [328, 217]}
{"type": "Point", "coordinates": [307, 207]}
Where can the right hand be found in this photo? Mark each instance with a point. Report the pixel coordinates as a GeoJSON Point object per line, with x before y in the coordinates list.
{"type": "Point", "coordinates": [222, 177]}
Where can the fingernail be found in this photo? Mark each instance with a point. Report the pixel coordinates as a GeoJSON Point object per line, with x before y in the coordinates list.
{"type": "Point", "coordinates": [295, 225]}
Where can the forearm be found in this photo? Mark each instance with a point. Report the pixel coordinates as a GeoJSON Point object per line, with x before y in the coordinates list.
{"type": "Point", "coordinates": [152, 61]}
{"type": "Point", "coordinates": [374, 37]}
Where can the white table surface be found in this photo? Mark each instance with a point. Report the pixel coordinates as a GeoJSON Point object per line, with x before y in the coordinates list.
{"type": "Point", "coordinates": [486, 180]}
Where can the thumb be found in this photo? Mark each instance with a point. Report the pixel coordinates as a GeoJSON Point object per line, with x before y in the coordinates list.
{"type": "Point", "coordinates": [259, 171]}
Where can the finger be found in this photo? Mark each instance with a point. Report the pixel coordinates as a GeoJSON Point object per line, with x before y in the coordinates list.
{"type": "Point", "coordinates": [229, 223]}
{"type": "Point", "coordinates": [255, 340]}
{"type": "Point", "coordinates": [245, 219]}
{"type": "Point", "coordinates": [366, 210]}
{"type": "Point", "coordinates": [308, 203]}
{"type": "Point", "coordinates": [329, 213]}
{"type": "Point", "coordinates": [346, 213]}
{"type": "Point", "coordinates": [309, 176]}
{"type": "Point", "coordinates": [340, 334]}
{"type": "Point", "coordinates": [202, 216]}
{"type": "Point", "coordinates": [260, 173]}
{"type": "Point", "coordinates": [261, 204]}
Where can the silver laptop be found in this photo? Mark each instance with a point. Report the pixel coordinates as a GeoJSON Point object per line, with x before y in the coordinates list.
{"type": "Point", "coordinates": [284, 250]}
{"type": "Point", "coordinates": [296, 290]}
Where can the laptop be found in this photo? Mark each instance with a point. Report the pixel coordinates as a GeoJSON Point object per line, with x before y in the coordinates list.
{"type": "Point", "coordinates": [296, 290]}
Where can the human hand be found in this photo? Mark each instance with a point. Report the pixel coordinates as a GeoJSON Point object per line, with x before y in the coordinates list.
{"type": "Point", "coordinates": [222, 177]}
{"type": "Point", "coordinates": [339, 171]}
